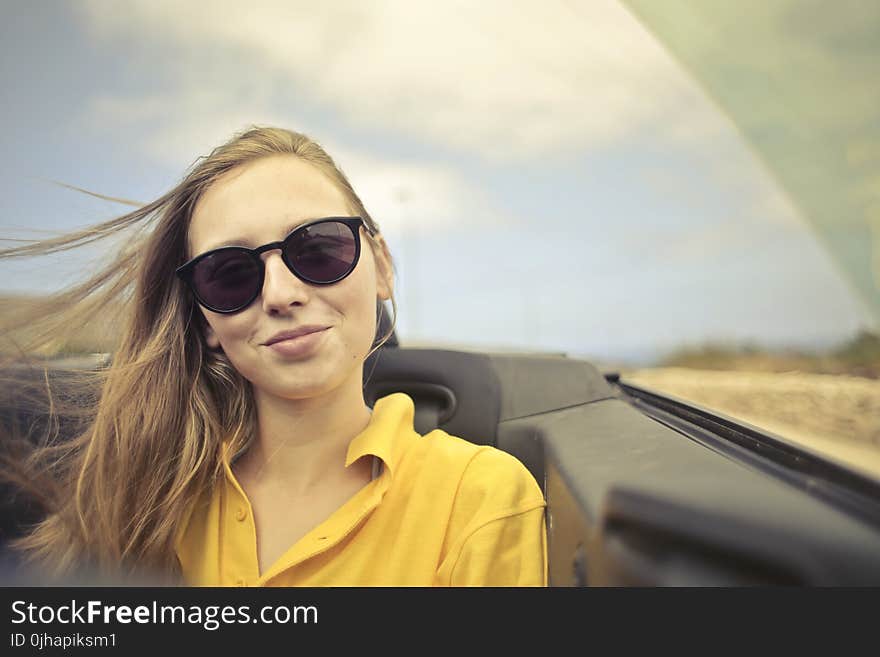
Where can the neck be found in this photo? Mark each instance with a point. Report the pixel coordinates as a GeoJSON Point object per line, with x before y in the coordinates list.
{"type": "Point", "coordinates": [303, 442]}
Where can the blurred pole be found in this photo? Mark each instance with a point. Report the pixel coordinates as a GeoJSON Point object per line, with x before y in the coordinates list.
{"type": "Point", "coordinates": [409, 239]}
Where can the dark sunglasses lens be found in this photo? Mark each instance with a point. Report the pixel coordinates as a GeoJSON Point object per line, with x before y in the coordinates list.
{"type": "Point", "coordinates": [227, 280]}
{"type": "Point", "coordinates": [322, 253]}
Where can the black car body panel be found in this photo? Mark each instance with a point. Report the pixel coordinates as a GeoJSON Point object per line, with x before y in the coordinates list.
{"type": "Point", "coordinates": [633, 501]}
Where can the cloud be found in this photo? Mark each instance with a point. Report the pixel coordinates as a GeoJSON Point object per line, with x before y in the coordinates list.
{"type": "Point", "coordinates": [401, 195]}
{"type": "Point", "coordinates": [412, 197]}
{"type": "Point", "coordinates": [176, 128]}
{"type": "Point", "coordinates": [499, 79]}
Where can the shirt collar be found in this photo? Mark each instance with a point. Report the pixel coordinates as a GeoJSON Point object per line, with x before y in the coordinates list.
{"type": "Point", "coordinates": [392, 418]}
{"type": "Point", "coordinates": [391, 422]}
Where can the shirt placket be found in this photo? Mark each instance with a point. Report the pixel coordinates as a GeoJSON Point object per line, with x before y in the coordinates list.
{"type": "Point", "coordinates": [331, 532]}
{"type": "Point", "coordinates": [240, 564]}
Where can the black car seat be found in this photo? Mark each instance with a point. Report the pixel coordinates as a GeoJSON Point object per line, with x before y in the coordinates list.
{"type": "Point", "coordinates": [488, 399]}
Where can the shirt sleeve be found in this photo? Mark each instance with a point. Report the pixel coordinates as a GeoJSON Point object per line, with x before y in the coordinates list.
{"type": "Point", "coordinates": [497, 533]}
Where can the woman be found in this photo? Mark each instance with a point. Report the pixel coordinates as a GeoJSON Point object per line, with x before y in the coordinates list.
{"type": "Point", "coordinates": [231, 444]}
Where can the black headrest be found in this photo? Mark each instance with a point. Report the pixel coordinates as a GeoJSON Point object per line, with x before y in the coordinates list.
{"type": "Point", "coordinates": [456, 391]}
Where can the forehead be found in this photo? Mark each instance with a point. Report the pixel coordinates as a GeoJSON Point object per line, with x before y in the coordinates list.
{"type": "Point", "coordinates": [261, 202]}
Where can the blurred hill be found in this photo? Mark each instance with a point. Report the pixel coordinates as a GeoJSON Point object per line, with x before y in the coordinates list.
{"type": "Point", "coordinates": [859, 356]}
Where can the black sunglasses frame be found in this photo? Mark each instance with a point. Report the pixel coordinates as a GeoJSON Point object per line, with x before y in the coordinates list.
{"type": "Point", "coordinates": [185, 271]}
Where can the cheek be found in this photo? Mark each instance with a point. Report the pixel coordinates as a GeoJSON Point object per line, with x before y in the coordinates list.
{"type": "Point", "coordinates": [228, 332]}
{"type": "Point", "coordinates": [361, 315]}
{"type": "Point", "coordinates": [360, 295]}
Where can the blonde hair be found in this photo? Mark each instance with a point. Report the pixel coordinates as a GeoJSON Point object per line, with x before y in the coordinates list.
{"type": "Point", "coordinates": [148, 429]}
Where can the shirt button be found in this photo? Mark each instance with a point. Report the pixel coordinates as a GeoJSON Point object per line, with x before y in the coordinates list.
{"type": "Point", "coordinates": [240, 514]}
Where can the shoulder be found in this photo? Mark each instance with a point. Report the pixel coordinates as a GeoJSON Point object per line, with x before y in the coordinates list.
{"type": "Point", "coordinates": [492, 484]}
{"type": "Point", "coordinates": [495, 530]}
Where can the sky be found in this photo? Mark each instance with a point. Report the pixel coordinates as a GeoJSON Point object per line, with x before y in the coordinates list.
{"type": "Point", "coordinates": [547, 176]}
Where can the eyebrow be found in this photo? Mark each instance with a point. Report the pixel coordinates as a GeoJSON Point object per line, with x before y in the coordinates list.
{"type": "Point", "coordinates": [240, 241]}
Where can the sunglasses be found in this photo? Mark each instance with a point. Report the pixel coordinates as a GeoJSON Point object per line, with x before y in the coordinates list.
{"type": "Point", "coordinates": [321, 252]}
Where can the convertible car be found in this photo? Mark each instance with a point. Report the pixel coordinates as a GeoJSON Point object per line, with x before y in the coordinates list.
{"type": "Point", "coordinates": [642, 489]}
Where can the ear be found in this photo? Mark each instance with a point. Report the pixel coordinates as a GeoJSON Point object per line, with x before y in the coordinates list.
{"type": "Point", "coordinates": [210, 336]}
{"type": "Point", "coordinates": [384, 270]}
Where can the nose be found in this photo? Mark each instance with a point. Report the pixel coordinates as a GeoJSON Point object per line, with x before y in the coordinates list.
{"type": "Point", "coordinates": [281, 288]}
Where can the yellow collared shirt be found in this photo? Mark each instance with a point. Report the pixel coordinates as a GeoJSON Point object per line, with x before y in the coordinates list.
{"type": "Point", "coordinates": [443, 512]}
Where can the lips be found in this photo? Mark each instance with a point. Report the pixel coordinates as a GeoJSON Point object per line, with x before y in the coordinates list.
{"type": "Point", "coordinates": [295, 333]}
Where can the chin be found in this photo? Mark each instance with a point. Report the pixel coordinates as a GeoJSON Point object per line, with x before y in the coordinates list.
{"type": "Point", "coordinates": [292, 386]}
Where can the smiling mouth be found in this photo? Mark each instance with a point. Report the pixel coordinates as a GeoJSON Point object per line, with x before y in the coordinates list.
{"type": "Point", "coordinates": [292, 335]}
{"type": "Point", "coordinates": [298, 345]}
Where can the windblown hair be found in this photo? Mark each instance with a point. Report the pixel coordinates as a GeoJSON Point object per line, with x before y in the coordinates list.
{"type": "Point", "coordinates": [148, 428]}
